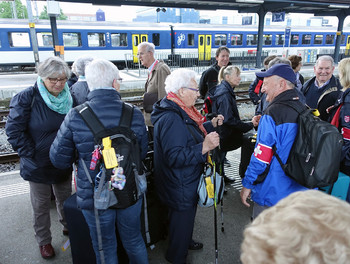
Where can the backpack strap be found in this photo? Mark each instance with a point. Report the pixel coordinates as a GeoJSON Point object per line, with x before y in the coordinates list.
{"type": "Point", "coordinates": [90, 119]}
{"type": "Point", "coordinates": [127, 113]}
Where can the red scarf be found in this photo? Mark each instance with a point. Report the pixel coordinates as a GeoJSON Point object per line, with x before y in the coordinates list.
{"type": "Point", "coordinates": [192, 112]}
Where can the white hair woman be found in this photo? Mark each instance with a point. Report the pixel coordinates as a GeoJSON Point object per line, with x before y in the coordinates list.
{"type": "Point", "coordinates": [80, 89]}
{"type": "Point", "coordinates": [182, 141]}
{"type": "Point", "coordinates": [36, 114]}
{"type": "Point", "coordinates": [305, 227]}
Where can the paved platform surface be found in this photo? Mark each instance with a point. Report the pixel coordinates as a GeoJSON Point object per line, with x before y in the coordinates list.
{"type": "Point", "coordinates": [18, 245]}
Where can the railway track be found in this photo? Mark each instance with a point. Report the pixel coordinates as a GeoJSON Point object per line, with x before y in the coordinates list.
{"type": "Point", "coordinates": [9, 157]}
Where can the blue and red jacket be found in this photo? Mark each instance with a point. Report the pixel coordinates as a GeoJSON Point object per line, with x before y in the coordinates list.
{"type": "Point", "coordinates": [278, 127]}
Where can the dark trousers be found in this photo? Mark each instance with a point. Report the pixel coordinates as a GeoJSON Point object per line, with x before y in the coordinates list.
{"type": "Point", "coordinates": [180, 234]}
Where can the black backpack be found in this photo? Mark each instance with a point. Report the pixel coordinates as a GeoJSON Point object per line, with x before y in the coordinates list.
{"type": "Point", "coordinates": [314, 159]}
{"type": "Point", "coordinates": [125, 143]}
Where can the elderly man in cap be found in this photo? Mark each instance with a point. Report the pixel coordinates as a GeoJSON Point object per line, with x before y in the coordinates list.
{"type": "Point", "coordinates": [264, 179]}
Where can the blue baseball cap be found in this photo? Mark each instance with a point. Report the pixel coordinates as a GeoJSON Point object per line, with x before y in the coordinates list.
{"type": "Point", "coordinates": [280, 69]}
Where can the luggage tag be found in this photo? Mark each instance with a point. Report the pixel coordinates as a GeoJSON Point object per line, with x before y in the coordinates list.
{"type": "Point", "coordinates": [210, 187]}
{"type": "Point", "coordinates": [108, 153]}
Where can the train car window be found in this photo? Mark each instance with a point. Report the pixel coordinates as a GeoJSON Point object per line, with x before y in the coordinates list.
{"type": "Point", "coordinates": [318, 39]}
{"type": "Point", "coordinates": [220, 40]}
{"type": "Point", "coordinates": [190, 40]}
{"type": "Point", "coordinates": [329, 39]}
{"type": "Point", "coordinates": [201, 41]}
{"type": "Point", "coordinates": [267, 40]}
{"type": "Point", "coordinates": [236, 39]}
{"type": "Point", "coordinates": [156, 39]}
{"type": "Point", "coordinates": [143, 38]}
{"type": "Point", "coordinates": [72, 39]}
{"type": "Point", "coordinates": [120, 40]}
{"type": "Point", "coordinates": [306, 39]}
{"type": "Point", "coordinates": [18, 39]}
{"type": "Point", "coordinates": [44, 39]}
{"type": "Point", "coordinates": [342, 41]}
{"type": "Point", "coordinates": [252, 39]}
{"type": "Point", "coordinates": [279, 39]}
{"type": "Point", "coordinates": [294, 39]}
{"type": "Point", "coordinates": [96, 40]}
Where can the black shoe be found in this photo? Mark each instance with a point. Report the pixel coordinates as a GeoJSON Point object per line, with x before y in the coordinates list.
{"type": "Point", "coordinates": [229, 180]}
{"type": "Point", "coordinates": [195, 245]}
{"type": "Point", "coordinates": [227, 163]}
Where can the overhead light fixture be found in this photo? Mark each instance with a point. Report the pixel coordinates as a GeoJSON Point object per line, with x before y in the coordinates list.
{"type": "Point", "coordinates": [250, 1]}
{"type": "Point", "coordinates": [339, 6]}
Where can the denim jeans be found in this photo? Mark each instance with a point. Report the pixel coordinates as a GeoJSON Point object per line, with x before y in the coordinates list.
{"type": "Point", "coordinates": [129, 228]}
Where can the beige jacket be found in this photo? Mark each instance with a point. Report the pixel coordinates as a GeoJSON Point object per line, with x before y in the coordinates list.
{"type": "Point", "coordinates": [155, 84]}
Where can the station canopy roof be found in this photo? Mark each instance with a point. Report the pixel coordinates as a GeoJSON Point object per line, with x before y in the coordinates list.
{"type": "Point", "coordinates": [317, 7]}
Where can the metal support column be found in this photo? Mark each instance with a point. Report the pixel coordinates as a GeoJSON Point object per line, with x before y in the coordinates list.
{"type": "Point", "coordinates": [56, 46]}
{"type": "Point", "coordinates": [261, 14]}
{"type": "Point", "coordinates": [32, 33]}
{"type": "Point", "coordinates": [341, 18]}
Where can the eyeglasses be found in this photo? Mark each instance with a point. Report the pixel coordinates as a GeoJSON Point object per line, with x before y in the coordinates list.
{"type": "Point", "coordinates": [192, 89]}
{"type": "Point", "coordinates": [56, 80]}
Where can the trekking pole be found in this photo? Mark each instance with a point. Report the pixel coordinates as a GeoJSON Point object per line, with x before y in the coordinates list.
{"type": "Point", "coordinates": [215, 216]}
{"type": "Point", "coordinates": [219, 130]}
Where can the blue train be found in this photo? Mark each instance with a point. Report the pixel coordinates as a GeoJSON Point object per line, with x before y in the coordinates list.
{"type": "Point", "coordinates": [118, 42]}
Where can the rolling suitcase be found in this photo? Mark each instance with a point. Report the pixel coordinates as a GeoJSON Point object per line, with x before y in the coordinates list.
{"type": "Point", "coordinates": [247, 150]}
{"type": "Point", "coordinates": [79, 236]}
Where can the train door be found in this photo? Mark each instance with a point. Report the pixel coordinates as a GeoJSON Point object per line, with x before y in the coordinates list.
{"type": "Point", "coordinates": [347, 48]}
{"type": "Point", "coordinates": [136, 40]}
{"type": "Point", "coordinates": [204, 47]}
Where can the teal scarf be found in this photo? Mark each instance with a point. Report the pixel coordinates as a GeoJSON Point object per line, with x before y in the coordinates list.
{"type": "Point", "coordinates": [60, 104]}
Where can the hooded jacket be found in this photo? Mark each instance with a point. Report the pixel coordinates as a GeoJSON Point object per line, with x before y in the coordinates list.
{"type": "Point", "coordinates": [178, 158]}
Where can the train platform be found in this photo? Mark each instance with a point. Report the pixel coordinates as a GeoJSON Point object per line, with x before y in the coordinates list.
{"type": "Point", "coordinates": [18, 245]}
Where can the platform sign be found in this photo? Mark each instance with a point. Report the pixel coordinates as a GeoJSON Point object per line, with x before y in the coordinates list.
{"type": "Point", "coordinates": [287, 33]}
{"type": "Point", "coordinates": [278, 17]}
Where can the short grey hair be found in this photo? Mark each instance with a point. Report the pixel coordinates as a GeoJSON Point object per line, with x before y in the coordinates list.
{"type": "Point", "coordinates": [53, 67]}
{"type": "Point", "coordinates": [324, 58]}
{"type": "Point", "coordinates": [79, 65]}
{"type": "Point", "coordinates": [279, 60]}
{"type": "Point", "coordinates": [149, 46]}
{"type": "Point", "coordinates": [178, 79]}
{"type": "Point", "coordinates": [101, 73]}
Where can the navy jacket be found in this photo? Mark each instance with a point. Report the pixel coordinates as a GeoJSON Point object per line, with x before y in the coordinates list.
{"type": "Point", "coordinates": [178, 158]}
{"type": "Point", "coordinates": [322, 98]}
{"type": "Point", "coordinates": [31, 128]}
{"type": "Point", "coordinates": [226, 105]}
{"type": "Point", "coordinates": [74, 136]}
{"type": "Point", "coordinates": [79, 91]}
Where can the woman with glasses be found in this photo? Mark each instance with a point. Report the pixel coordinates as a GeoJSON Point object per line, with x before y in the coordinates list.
{"type": "Point", "coordinates": [182, 141]}
{"type": "Point", "coordinates": [36, 114]}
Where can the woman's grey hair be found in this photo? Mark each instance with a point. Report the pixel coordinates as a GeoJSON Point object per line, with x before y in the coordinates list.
{"type": "Point", "coordinates": [279, 60]}
{"type": "Point", "coordinates": [53, 67]}
{"type": "Point", "coordinates": [227, 71]}
{"type": "Point", "coordinates": [101, 73]}
{"type": "Point", "coordinates": [80, 64]}
{"type": "Point", "coordinates": [149, 46]}
{"type": "Point", "coordinates": [178, 79]}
